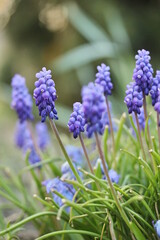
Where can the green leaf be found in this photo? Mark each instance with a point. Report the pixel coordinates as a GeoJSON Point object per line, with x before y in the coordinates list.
{"type": "Point", "coordinates": [83, 55]}
{"type": "Point", "coordinates": [88, 27]}
{"type": "Point", "coordinates": [138, 234]}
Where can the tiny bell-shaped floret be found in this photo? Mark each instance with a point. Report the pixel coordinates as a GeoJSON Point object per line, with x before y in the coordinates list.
{"type": "Point", "coordinates": [143, 72]}
{"type": "Point", "coordinates": [133, 98]}
{"type": "Point", "coordinates": [45, 95]}
{"type": "Point", "coordinates": [77, 121]}
{"type": "Point", "coordinates": [103, 78]}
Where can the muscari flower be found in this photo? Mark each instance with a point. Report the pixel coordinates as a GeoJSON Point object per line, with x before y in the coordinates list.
{"type": "Point", "coordinates": [42, 135]}
{"type": "Point", "coordinates": [76, 122]}
{"type": "Point", "coordinates": [94, 105]}
{"type": "Point", "coordinates": [157, 228]}
{"type": "Point", "coordinates": [63, 188]}
{"type": "Point", "coordinates": [103, 78]}
{"type": "Point", "coordinates": [21, 99]}
{"type": "Point", "coordinates": [114, 176]}
{"type": "Point", "coordinates": [45, 95]}
{"type": "Point", "coordinates": [133, 98]}
{"type": "Point", "coordinates": [155, 87]}
{"type": "Point", "coordinates": [67, 172]}
{"type": "Point", "coordinates": [157, 104]}
{"type": "Point", "coordinates": [76, 154]}
{"type": "Point", "coordinates": [24, 141]}
{"type": "Point", "coordinates": [143, 72]}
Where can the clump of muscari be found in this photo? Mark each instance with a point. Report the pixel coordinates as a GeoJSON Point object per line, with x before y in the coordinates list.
{"type": "Point", "coordinates": [93, 106]}
{"type": "Point", "coordinates": [76, 122]}
{"type": "Point", "coordinates": [43, 138]}
{"type": "Point", "coordinates": [93, 103]}
{"type": "Point", "coordinates": [103, 78]}
{"type": "Point", "coordinates": [143, 72]}
{"type": "Point", "coordinates": [155, 88]}
{"type": "Point", "coordinates": [133, 98]}
{"type": "Point", "coordinates": [45, 95]}
{"type": "Point", "coordinates": [21, 99]}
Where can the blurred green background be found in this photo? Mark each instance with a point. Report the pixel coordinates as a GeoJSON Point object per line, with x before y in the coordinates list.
{"type": "Point", "coordinates": [72, 38]}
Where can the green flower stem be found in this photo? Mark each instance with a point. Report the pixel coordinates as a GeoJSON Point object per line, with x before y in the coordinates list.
{"type": "Point", "coordinates": [85, 153]}
{"type": "Point", "coordinates": [124, 216]}
{"type": "Point", "coordinates": [21, 223]}
{"type": "Point", "coordinates": [140, 138]}
{"type": "Point", "coordinates": [145, 115]}
{"type": "Point", "coordinates": [53, 126]}
{"type": "Point", "coordinates": [34, 141]}
{"type": "Point", "coordinates": [105, 137]}
{"type": "Point", "coordinates": [111, 128]}
{"type": "Point", "coordinates": [82, 232]}
{"type": "Point", "coordinates": [158, 127]}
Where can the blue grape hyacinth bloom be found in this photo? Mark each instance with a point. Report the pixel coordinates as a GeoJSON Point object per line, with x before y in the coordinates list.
{"type": "Point", "coordinates": [76, 122]}
{"type": "Point", "coordinates": [63, 188]}
{"type": "Point", "coordinates": [94, 105]}
{"type": "Point", "coordinates": [76, 154]}
{"type": "Point", "coordinates": [103, 78]}
{"type": "Point", "coordinates": [157, 104]}
{"type": "Point", "coordinates": [157, 228]}
{"type": "Point", "coordinates": [155, 88]}
{"type": "Point", "coordinates": [133, 98]}
{"type": "Point", "coordinates": [67, 172]}
{"type": "Point", "coordinates": [24, 141]}
{"type": "Point", "coordinates": [21, 99]}
{"type": "Point", "coordinates": [42, 135]}
{"type": "Point", "coordinates": [143, 72]}
{"type": "Point", "coordinates": [114, 176]}
{"type": "Point", "coordinates": [45, 95]}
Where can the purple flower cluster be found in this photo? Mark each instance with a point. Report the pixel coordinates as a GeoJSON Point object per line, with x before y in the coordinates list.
{"type": "Point", "coordinates": [103, 78]}
{"type": "Point", "coordinates": [24, 141]}
{"type": "Point", "coordinates": [75, 153]}
{"type": "Point", "coordinates": [94, 105]}
{"type": "Point", "coordinates": [114, 176]}
{"type": "Point", "coordinates": [42, 135]}
{"type": "Point", "coordinates": [134, 98]}
{"type": "Point", "coordinates": [143, 71]}
{"type": "Point", "coordinates": [157, 104]}
{"type": "Point", "coordinates": [45, 95]}
{"type": "Point", "coordinates": [21, 99]}
{"type": "Point", "coordinates": [63, 188]}
{"type": "Point", "coordinates": [155, 87]}
{"type": "Point", "coordinates": [67, 172]}
{"type": "Point", "coordinates": [77, 121]}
